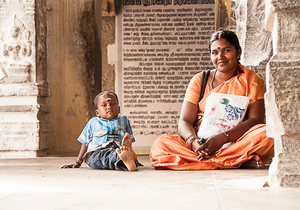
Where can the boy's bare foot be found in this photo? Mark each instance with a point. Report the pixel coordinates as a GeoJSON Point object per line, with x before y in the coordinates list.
{"type": "Point", "coordinates": [127, 145]}
{"type": "Point", "coordinates": [127, 158]}
{"type": "Point", "coordinates": [254, 163]}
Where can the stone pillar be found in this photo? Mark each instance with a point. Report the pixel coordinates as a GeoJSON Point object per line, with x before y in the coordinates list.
{"type": "Point", "coordinates": [246, 19]}
{"type": "Point", "coordinates": [223, 12]}
{"type": "Point", "coordinates": [256, 42]}
{"type": "Point", "coordinates": [282, 97]}
{"type": "Point", "coordinates": [24, 128]}
{"type": "Point", "coordinates": [108, 38]}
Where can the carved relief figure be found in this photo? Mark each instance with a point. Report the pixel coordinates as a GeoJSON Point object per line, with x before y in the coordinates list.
{"type": "Point", "coordinates": [14, 66]}
{"type": "Point", "coordinates": [250, 18]}
{"type": "Point", "coordinates": [265, 42]}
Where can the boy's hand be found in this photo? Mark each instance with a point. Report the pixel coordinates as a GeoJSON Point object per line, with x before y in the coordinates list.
{"type": "Point", "coordinates": [75, 165]}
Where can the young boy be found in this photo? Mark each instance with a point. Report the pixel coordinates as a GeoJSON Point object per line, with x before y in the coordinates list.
{"type": "Point", "coordinates": [107, 139]}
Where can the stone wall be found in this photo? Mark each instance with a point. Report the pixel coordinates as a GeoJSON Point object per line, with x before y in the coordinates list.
{"type": "Point", "coordinates": [78, 66]}
{"type": "Point", "coordinates": [70, 50]}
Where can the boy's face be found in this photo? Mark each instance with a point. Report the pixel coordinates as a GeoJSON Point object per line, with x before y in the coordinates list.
{"type": "Point", "coordinates": [107, 106]}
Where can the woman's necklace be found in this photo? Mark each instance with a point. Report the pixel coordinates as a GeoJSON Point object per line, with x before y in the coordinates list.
{"type": "Point", "coordinates": [212, 79]}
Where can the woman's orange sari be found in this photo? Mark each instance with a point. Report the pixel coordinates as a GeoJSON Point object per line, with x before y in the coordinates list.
{"type": "Point", "coordinates": [170, 151]}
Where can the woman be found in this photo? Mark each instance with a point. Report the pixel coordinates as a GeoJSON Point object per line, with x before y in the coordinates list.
{"type": "Point", "coordinates": [250, 147]}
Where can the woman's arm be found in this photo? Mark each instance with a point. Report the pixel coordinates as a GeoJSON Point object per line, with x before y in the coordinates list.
{"type": "Point", "coordinates": [255, 115]}
{"type": "Point", "coordinates": [188, 115]}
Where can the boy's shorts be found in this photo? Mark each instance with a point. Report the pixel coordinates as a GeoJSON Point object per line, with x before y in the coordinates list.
{"type": "Point", "coordinates": [106, 158]}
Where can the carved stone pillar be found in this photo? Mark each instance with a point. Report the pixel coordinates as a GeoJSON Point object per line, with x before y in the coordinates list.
{"type": "Point", "coordinates": [108, 38]}
{"type": "Point", "coordinates": [24, 129]}
{"type": "Point", "coordinates": [248, 21]}
{"type": "Point", "coordinates": [223, 13]}
{"type": "Point", "coordinates": [282, 97]}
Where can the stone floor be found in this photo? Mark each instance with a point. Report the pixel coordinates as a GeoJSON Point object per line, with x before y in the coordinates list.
{"type": "Point", "coordinates": [39, 183]}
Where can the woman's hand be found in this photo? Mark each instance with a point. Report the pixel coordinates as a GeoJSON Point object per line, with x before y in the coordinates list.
{"type": "Point", "coordinates": [195, 145]}
{"type": "Point", "coordinates": [208, 149]}
{"type": "Point", "coordinates": [75, 165]}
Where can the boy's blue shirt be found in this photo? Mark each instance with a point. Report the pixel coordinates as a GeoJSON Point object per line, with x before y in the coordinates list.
{"type": "Point", "coordinates": [99, 131]}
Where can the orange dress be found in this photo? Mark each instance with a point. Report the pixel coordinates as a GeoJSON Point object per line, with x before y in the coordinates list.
{"type": "Point", "coordinates": [170, 151]}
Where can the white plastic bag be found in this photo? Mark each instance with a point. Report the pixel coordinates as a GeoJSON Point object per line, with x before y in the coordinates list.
{"type": "Point", "coordinates": [222, 112]}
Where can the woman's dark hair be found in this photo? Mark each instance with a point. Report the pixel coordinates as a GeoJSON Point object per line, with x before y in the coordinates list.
{"type": "Point", "coordinates": [103, 93]}
{"type": "Point", "coordinates": [228, 35]}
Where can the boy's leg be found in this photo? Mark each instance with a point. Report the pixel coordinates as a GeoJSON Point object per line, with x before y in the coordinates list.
{"type": "Point", "coordinates": [106, 158]}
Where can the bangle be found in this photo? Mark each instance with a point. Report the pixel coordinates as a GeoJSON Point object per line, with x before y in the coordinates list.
{"type": "Point", "coordinates": [189, 137]}
{"type": "Point", "coordinates": [190, 140]}
{"type": "Point", "coordinates": [226, 134]}
{"type": "Point", "coordinates": [79, 162]}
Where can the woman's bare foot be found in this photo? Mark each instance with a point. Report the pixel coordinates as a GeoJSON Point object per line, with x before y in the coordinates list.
{"type": "Point", "coordinates": [254, 163]}
{"type": "Point", "coordinates": [127, 145]}
{"type": "Point", "coordinates": [127, 158]}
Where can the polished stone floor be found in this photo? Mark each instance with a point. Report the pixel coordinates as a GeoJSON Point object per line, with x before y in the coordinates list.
{"type": "Point", "coordinates": [39, 183]}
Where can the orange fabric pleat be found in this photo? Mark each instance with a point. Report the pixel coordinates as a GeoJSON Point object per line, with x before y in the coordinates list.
{"type": "Point", "coordinates": [170, 152]}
